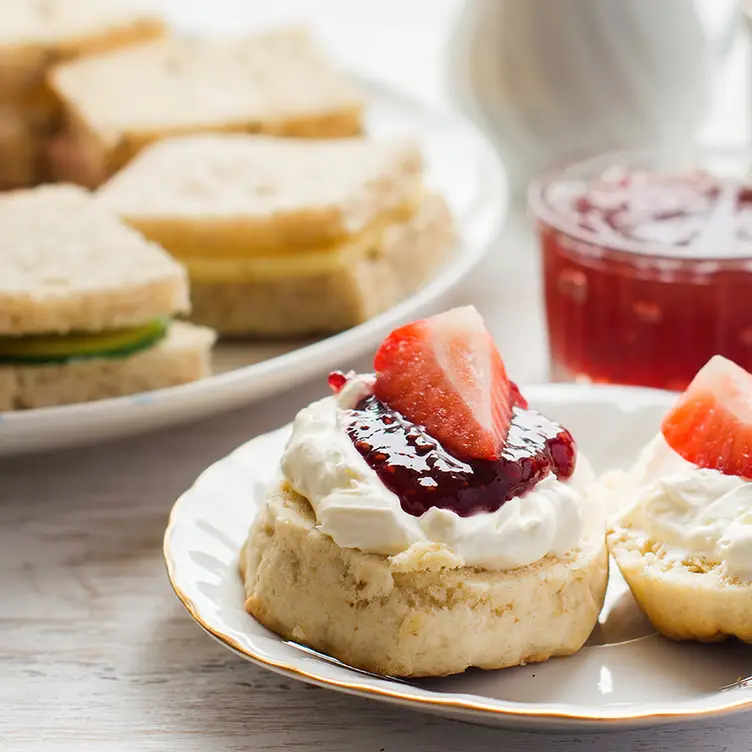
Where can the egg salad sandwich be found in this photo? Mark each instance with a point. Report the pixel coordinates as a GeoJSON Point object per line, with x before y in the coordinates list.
{"type": "Point", "coordinates": [34, 35]}
{"type": "Point", "coordinates": [86, 305]}
{"type": "Point", "coordinates": [287, 236]}
{"type": "Point", "coordinates": [116, 103]}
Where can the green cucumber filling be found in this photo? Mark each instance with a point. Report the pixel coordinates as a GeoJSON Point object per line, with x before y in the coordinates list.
{"type": "Point", "coordinates": [43, 349]}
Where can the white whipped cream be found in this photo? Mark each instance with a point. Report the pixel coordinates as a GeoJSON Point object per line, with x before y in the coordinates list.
{"type": "Point", "coordinates": [354, 507]}
{"type": "Point", "coordinates": [693, 511]}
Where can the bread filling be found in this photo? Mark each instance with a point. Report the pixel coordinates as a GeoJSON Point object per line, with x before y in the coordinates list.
{"type": "Point", "coordinates": [286, 263]}
{"type": "Point", "coordinates": [45, 349]}
{"type": "Point", "coordinates": [75, 162]}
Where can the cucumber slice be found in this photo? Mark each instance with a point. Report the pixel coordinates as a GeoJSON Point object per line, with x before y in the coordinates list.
{"type": "Point", "coordinates": [47, 349]}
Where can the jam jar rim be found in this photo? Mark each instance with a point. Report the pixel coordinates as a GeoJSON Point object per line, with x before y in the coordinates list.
{"type": "Point", "coordinates": [629, 250]}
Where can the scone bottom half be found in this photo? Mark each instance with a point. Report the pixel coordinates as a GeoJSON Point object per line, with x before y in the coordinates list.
{"type": "Point", "coordinates": [444, 431]}
{"type": "Point", "coordinates": [698, 585]}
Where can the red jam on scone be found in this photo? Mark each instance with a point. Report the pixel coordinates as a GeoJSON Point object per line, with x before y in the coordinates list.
{"type": "Point", "coordinates": [446, 427]}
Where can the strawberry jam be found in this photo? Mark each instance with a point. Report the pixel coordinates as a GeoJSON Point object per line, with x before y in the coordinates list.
{"type": "Point", "coordinates": [647, 268]}
{"type": "Point", "coordinates": [416, 467]}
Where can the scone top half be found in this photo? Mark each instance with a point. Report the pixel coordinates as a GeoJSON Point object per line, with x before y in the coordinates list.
{"type": "Point", "coordinates": [117, 103]}
{"type": "Point", "coordinates": [78, 282]}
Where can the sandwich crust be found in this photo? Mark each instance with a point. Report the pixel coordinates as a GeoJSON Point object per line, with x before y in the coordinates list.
{"type": "Point", "coordinates": [25, 126]}
{"type": "Point", "coordinates": [413, 614]}
{"type": "Point", "coordinates": [69, 265]}
{"type": "Point", "coordinates": [183, 356]}
{"type": "Point", "coordinates": [21, 151]}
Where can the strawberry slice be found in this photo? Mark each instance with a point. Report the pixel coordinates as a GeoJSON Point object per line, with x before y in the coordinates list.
{"type": "Point", "coordinates": [711, 424]}
{"type": "Point", "coordinates": [445, 374]}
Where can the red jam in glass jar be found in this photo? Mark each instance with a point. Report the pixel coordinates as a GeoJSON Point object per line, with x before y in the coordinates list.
{"type": "Point", "coordinates": [647, 267]}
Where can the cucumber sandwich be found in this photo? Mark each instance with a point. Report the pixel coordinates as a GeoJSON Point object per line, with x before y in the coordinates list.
{"type": "Point", "coordinates": [86, 305]}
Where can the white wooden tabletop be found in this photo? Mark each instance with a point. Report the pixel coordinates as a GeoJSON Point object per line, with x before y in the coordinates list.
{"type": "Point", "coordinates": [97, 654]}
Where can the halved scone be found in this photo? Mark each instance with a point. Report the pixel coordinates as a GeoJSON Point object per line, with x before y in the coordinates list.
{"type": "Point", "coordinates": [417, 613]}
{"type": "Point", "coordinates": [681, 531]}
{"type": "Point", "coordinates": [690, 599]}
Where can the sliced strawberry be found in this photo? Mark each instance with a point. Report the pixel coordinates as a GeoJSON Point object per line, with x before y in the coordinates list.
{"type": "Point", "coordinates": [515, 396]}
{"type": "Point", "coordinates": [445, 374]}
{"type": "Point", "coordinates": [711, 424]}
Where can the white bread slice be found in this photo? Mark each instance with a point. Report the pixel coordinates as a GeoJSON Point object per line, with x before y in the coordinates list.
{"type": "Point", "coordinates": [202, 196]}
{"type": "Point", "coordinates": [412, 614]}
{"type": "Point", "coordinates": [347, 288]}
{"type": "Point", "coordinates": [69, 265]}
{"type": "Point", "coordinates": [36, 33]}
{"type": "Point", "coordinates": [278, 83]}
{"type": "Point", "coordinates": [183, 356]}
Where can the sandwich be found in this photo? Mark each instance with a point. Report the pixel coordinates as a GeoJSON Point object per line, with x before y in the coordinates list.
{"type": "Point", "coordinates": [35, 34]}
{"type": "Point", "coordinates": [287, 236]}
{"type": "Point", "coordinates": [86, 305]}
{"type": "Point", "coordinates": [117, 103]}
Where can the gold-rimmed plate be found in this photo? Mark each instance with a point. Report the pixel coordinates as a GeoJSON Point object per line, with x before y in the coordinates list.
{"type": "Point", "coordinates": [626, 676]}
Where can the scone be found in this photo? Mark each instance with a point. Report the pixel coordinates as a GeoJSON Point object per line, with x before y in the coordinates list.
{"type": "Point", "coordinates": [682, 530]}
{"type": "Point", "coordinates": [425, 520]}
{"type": "Point", "coordinates": [286, 236]}
{"type": "Point", "coordinates": [86, 305]}
{"type": "Point", "coordinates": [115, 104]}
{"type": "Point", "coordinates": [34, 35]}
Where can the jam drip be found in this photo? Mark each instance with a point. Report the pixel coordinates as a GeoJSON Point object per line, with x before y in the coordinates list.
{"type": "Point", "coordinates": [415, 467]}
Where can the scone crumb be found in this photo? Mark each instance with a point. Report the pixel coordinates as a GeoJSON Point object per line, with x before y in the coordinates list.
{"type": "Point", "coordinates": [298, 633]}
{"type": "Point", "coordinates": [698, 565]}
{"type": "Point", "coordinates": [426, 557]}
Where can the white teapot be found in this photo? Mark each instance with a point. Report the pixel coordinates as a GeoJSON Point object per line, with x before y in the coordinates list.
{"type": "Point", "coordinates": [552, 78]}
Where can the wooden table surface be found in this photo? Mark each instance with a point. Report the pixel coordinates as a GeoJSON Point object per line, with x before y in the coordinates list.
{"type": "Point", "coordinates": [97, 654]}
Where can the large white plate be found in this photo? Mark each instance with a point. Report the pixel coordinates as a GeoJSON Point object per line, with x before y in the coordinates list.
{"type": "Point", "coordinates": [626, 676]}
{"type": "Point", "coordinates": [460, 163]}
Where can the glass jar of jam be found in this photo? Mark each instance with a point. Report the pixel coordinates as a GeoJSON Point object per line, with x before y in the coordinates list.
{"type": "Point", "coordinates": [647, 259]}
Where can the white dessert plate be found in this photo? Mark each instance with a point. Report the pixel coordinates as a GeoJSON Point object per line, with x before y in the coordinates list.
{"type": "Point", "coordinates": [459, 162]}
{"type": "Point", "coordinates": [626, 676]}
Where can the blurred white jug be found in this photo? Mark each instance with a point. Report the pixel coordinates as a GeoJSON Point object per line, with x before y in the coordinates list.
{"type": "Point", "coordinates": [551, 78]}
